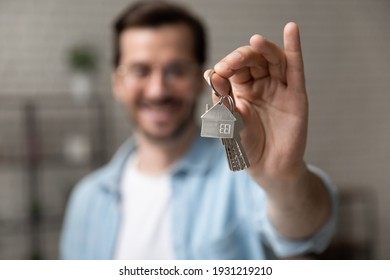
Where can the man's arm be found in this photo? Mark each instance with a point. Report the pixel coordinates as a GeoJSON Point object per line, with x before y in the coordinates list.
{"type": "Point", "coordinates": [268, 86]}
{"type": "Point", "coordinates": [299, 209]}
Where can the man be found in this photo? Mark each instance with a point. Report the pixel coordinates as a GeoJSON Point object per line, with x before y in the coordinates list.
{"type": "Point", "coordinates": [168, 193]}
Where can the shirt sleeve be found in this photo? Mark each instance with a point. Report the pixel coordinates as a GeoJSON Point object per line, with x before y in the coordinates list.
{"type": "Point", "coordinates": [316, 243]}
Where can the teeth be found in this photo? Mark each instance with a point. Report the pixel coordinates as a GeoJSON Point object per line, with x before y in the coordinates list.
{"type": "Point", "coordinates": [166, 107]}
{"type": "Point", "coordinates": [159, 108]}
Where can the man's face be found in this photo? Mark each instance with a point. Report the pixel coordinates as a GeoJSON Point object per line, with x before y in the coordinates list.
{"type": "Point", "coordinates": [158, 80]}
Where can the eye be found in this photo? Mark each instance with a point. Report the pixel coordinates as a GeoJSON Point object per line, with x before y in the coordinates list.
{"type": "Point", "coordinates": [139, 71]}
{"type": "Point", "coordinates": [176, 70]}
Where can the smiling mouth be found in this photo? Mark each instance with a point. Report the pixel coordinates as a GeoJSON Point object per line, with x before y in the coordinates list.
{"type": "Point", "coordinates": [160, 105]}
{"type": "Point", "coordinates": [160, 110]}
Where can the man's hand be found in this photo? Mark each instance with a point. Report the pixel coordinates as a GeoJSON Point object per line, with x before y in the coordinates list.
{"type": "Point", "coordinates": [268, 86]}
{"type": "Point", "coordinates": [269, 90]}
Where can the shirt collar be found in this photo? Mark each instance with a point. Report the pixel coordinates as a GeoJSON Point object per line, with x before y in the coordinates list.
{"type": "Point", "coordinates": [197, 159]}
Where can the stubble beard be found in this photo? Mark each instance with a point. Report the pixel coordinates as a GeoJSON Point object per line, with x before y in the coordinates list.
{"type": "Point", "coordinates": [174, 136]}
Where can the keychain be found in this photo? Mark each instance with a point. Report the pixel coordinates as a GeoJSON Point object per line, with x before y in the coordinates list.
{"type": "Point", "coordinates": [225, 123]}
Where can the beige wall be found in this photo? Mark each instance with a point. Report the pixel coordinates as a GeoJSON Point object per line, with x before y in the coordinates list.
{"type": "Point", "coordinates": [346, 51]}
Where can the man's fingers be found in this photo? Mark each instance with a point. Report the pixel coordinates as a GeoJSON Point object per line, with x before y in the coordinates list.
{"type": "Point", "coordinates": [263, 58]}
{"type": "Point", "coordinates": [220, 84]}
{"type": "Point", "coordinates": [241, 64]}
{"type": "Point", "coordinates": [295, 69]}
{"type": "Point", "coordinates": [273, 54]}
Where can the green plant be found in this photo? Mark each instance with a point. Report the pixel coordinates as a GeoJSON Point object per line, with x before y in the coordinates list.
{"type": "Point", "coordinates": [82, 58]}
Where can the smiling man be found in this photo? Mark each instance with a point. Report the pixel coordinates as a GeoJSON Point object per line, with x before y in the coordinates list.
{"type": "Point", "coordinates": [156, 67]}
{"type": "Point", "coordinates": [169, 194]}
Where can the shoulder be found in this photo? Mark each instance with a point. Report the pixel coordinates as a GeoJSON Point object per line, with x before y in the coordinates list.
{"type": "Point", "coordinates": [105, 179]}
{"type": "Point", "coordinates": [86, 192]}
{"type": "Point", "coordinates": [90, 183]}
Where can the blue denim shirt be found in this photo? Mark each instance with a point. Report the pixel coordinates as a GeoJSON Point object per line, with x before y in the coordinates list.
{"type": "Point", "coordinates": [216, 213]}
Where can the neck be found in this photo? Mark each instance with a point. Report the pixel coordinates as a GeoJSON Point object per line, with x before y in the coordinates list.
{"type": "Point", "coordinates": [156, 157]}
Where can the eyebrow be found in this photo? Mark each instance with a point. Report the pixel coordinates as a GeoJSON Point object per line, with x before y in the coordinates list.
{"type": "Point", "coordinates": [177, 61]}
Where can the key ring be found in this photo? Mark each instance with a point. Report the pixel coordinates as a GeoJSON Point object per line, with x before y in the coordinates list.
{"type": "Point", "coordinates": [231, 102]}
{"type": "Point", "coordinates": [220, 96]}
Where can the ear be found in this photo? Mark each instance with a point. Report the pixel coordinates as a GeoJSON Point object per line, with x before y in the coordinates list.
{"type": "Point", "coordinates": [117, 87]}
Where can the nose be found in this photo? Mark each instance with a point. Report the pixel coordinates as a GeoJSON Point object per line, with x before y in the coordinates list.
{"type": "Point", "coordinates": [156, 84]}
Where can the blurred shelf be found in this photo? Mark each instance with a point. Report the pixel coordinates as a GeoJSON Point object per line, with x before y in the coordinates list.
{"type": "Point", "coordinates": [35, 129]}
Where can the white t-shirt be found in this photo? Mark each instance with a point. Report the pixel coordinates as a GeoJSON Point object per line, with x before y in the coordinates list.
{"type": "Point", "coordinates": [145, 231]}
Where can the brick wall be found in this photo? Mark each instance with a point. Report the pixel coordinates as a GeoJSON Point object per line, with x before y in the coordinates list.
{"type": "Point", "coordinates": [346, 59]}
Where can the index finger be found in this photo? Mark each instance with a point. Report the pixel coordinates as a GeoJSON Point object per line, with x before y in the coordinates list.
{"type": "Point", "coordinates": [295, 67]}
{"type": "Point", "coordinates": [242, 64]}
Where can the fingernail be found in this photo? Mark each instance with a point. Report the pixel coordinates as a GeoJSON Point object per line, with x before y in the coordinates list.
{"type": "Point", "coordinates": [206, 74]}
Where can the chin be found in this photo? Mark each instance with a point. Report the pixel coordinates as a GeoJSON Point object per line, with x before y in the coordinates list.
{"type": "Point", "coordinates": [163, 133]}
{"type": "Point", "coordinates": [166, 135]}
{"type": "Point", "coordinates": [159, 137]}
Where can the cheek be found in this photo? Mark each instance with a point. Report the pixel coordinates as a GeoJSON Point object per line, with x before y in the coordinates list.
{"type": "Point", "coordinates": [189, 92]}
{"type": "Point", "coordinates": [127, 94]}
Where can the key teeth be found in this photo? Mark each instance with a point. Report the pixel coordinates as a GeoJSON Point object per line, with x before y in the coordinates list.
{"type": "Point", "coordinates": [235, 155]}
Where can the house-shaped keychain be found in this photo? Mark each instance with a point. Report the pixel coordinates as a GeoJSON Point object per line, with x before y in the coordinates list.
{"type": "Point", "coordinates": [218, 122]}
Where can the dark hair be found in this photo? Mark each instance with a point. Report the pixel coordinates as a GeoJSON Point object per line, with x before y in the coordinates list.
{"type": "Point", "coordinates": [155, 14]}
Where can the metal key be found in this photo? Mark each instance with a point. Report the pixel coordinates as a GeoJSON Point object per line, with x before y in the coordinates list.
{"type": "Point", "coordinates": [235, 153]}
{"type": "Point", "coordinates": [222, 122]}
